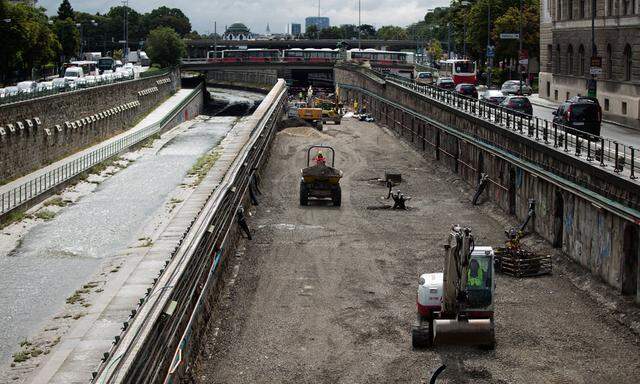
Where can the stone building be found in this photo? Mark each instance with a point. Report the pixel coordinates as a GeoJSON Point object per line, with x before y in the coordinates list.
{"type": "Point", "coordinates": [565, 52]}
{"type": "Point", "coordinates": [237, 31]}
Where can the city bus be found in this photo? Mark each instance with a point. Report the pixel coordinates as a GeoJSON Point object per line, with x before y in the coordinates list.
{"type": "Point", "coordinates": [310, 55]}
{"type": "Point", "coordinates": [460, 70]}
{"type": "Point", "coordinates": [214, 56]}
{"type": "Point", "coordinates": [252, 55]}
{"type": "Point", "coordinates": [380, 57]}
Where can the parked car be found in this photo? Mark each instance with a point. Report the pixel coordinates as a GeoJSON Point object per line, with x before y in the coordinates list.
{"type": "Point", "coordinates": [62, 82]}
{"type": "Point", "coordinates": [518, 103]}
{"type": "Point", "coordinates": [27, 86]}
{"type": "Point", "coordinates": [424, 78]}
{"type": "Point", "coordinates": [512, 87]}
{"type": "Point", "coordinates": [445, 83]}
{"type": "Point", "coordinates": [90, 80]}
{"type": "Point", "coordinates": [492, 96]}
{"type": "Point", "coordinates": [45, 86]}
{"type": "Point", "coordinates": [11, 91]}
{"type": "Point", "coordinates": [580, 113]}
{"type": "Point", "coordinates": [466, 89]}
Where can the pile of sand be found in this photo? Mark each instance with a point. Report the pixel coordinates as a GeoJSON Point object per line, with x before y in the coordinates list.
{"type": "Point", "coordinates": [302, 132]}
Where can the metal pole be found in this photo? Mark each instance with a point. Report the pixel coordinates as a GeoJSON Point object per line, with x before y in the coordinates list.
{"type": "Point", "coordinates": [464, 37]}
{"type": "Point", "coordinates": [489, 59]}
{"type": "Point", "coordinates": [520, 38]}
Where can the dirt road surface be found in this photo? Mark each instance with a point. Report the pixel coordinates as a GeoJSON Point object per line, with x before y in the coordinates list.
{"type": "Point", "coordinates": [327, 295]}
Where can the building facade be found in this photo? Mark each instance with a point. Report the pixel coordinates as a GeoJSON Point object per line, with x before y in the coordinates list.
{"type": "Point", "coordinates": [565, 52]}
{"type": "Point", "coordinates": [237, 31]}
{"type": "Point", "coordinates": [320, 22]}
{"type": "Point", "coordinates": [296, 29]}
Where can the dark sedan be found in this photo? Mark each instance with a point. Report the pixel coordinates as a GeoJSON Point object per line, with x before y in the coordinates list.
{"type": "Point", "coordinates": [468, 90]}
{"type": "Point", "coordinates": [518, 103]}
{"type": "Point", "coordinates": [445, 83]}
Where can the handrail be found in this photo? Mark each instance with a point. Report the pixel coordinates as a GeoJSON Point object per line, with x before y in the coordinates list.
{"type": "Point", "coordinates": [33, 188]}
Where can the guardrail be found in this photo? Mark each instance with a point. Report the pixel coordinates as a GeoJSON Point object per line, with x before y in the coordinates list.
{"type": "Point", "coordinates": [77, 85]}
{"type": "Point", "coordinates": [604, 151]}
{"type": "Point", "coordinates": [33, 188]}
{"type": "Point", "coordinates": [154, 345]}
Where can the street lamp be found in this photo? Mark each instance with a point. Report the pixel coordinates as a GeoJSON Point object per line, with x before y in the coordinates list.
{"type": "Point", "coordinates": [490, 51]}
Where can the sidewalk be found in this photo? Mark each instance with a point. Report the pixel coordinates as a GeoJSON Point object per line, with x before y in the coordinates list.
{"type": "Point", "coordinates": [615, 120]}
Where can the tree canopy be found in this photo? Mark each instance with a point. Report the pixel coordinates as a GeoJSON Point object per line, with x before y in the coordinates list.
{"type": "Point", "coordinates": [165, 47]}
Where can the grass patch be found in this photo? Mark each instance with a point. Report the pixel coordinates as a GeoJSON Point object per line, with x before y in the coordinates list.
{"type": "Point", "coordinates": [45, 214]}
{"type": "Point", "coordinates": [57, 201]}
{"type": "Point", "coordinates": [35, 352]}
{"type": "Point", "coordinates": [148, 143]}
{"type": "Point", "coordinates": [25, 343]}
{"type": "Point", "coordinates": [77, 296]}
{"type": "Point", "coordinates": [90, 285]}
{"type": "Point", "coordinates": [13, 217]}
{"type": "Point", "coordinates": [3, 182]}
{"type": "Point", "coordinates": [21, 356]}
{"type": "Point", "coordinates": [203, 165]}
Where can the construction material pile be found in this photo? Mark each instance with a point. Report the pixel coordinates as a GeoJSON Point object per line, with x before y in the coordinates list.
{"type": "Point", "coordinates": [320, 170]}
{"type": "Point", "coordinates": [515, 261]}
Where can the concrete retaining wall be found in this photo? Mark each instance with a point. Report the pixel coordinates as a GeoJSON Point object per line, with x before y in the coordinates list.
{"type": "Point", "coordinates": [40, 131]}
{"type": "Point", "coordinates": [520, 169]}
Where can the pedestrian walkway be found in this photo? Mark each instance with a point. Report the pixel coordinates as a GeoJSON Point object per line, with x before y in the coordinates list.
{"type": "Point", "coordinates": [616, 120]}
{"type": "Point", "coordinates": [19, 191]}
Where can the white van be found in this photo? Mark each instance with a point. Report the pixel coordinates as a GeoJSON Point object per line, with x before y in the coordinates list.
{"type": "Point", "coordinates": [73, 73]}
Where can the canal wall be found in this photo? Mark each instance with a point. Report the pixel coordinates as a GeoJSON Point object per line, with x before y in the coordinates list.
{"type": "Point", "coordinates": [587, 211]}
{"type": "Point", "coordinates": [37, 132]}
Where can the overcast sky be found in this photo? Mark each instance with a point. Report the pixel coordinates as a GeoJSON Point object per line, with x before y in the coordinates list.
{"type": "Point", "coordinates": [278, 13]}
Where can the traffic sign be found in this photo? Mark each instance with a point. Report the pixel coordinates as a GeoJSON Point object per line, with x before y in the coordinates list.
{"type": "Point", "coordinates": [507, 36]}
{"type": "Point", "coordinates": [595, 71]}
{"type": "Point", "coordinates": [596, 65]}
{"type": "Point", "coordinates": [491, 51]}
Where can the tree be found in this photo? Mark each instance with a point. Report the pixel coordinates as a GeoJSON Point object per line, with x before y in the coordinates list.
{"type": "Point", "coordinates": [435, 50]}
{"type": "Point", "coordinates": [331, 33]}
{"type": "Point", "coordinates": [165, 47]}
{"type": "Point", "coordinates": [311, 32]}
{"type": "Point", "coordinates": [509, 22]}
{"type": "Point", "coordinates": [65, 11]}
{"type": "Point", "coordinates": [368, 31]}
{"type": "Point", "coordinates": [168, 17]}
{"type": "Point", "coordinates": [348, 31]}
{"type": "Point", "coordinates": [68, 37]}
{"type": "Point", "coordinates": [117, 54]}
{"type": "Point", "coordinates": [391, 32]}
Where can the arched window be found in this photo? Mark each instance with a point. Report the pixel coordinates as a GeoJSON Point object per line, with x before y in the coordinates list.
{"type": "Point", "coordinates": [609, 62]}
{"type": "Point", "coordinates": [609, 7]}
{"type": "Point", "coordinates": [627, 63]}
{"type": "Point", "coordinates": [549, 57]}
{"type": "Point", "coordinates": [559, 9]}
{"type": "Point", "coordinates": [570, 67]}
{"type": "Point", "coordinates": [557, 68]}
{"type": "Point", "coordinates": [581, 62]}
{"type": "Point", "coordinates": [582, 9]}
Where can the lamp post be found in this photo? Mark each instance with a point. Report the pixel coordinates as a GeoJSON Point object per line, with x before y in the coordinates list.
{"type": "Point", "coordinates": [490, 52]}
{"type": "Point", "coordinates": [520, 45]}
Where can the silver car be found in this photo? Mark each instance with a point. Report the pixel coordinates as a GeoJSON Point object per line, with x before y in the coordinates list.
{"type": "Point", "coordinates": [27, 86]}
{"type": "Point", "coordinates": [512, 87]}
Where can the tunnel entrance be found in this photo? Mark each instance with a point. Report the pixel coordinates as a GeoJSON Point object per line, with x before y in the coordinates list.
{"type": "Point", "coordinates": [558, 220]}
{"type": "Point", "coordinates": [630, 260]}
{"type": "Point", "coordinates": [301, 79]}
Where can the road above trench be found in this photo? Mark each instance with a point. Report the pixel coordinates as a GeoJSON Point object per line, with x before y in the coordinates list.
{"type": "Point", "coordinates": [327, 295]}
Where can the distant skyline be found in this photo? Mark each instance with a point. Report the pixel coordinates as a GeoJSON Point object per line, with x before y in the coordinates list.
{"type": "Point", "coordinates": [278, 13]}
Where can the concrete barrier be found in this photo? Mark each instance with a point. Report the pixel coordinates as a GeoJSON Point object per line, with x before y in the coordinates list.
{"type": "Point", "coordinates": [590, 212]}
{"type": "Point", "coordinates": [162, 334]}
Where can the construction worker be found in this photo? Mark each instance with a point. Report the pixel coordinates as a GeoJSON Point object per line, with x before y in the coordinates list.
{"type": "Point", "coordinates": [475, 276]}
{"type": "Point", "coordinates": [320, 159]}
{"type": "Point", "coordinates": [355, 106]}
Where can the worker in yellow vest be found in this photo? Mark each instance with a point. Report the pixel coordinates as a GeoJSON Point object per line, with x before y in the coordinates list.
{"type": "Point", "coordinates": [475, 276]}
{"type": "Point", "coordinates": [355, 106]}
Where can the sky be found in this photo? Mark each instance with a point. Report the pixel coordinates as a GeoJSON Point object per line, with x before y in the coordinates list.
{"type": "Point", "coordinates": [278, 13]}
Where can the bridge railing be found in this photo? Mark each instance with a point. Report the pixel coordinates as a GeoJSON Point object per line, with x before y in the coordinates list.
{"type": "Point", "coordinates": [29, 190]}
{"type": "Point", "coordinates": [605, 152]}
{"type": "Point", "coordinates": [247, 77]}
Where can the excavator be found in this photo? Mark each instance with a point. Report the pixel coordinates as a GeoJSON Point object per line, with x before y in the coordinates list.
{"type": "Point", "coordinates": [456, 306]}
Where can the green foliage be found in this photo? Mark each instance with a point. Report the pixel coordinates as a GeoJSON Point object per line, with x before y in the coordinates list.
{"type": "Point", "coordinates": [68, 37]}
{"type": "Point", "coordinates": [117, 54]}
{"type": "Point", "coordinates": [509, 22]}
{"type": "Point", "coordinates": [331, 33]}
{"type": "Point", "coordinates": [435, 50]}
{"type": "Point", "coordinates": [165, 47]}
{"type": "Point", "coordinates": [311, 32]}
{"type": "Point", "coordinates": [168, 17]}
{"type": "Point", "coordinates": [65, 11]}
{"type": "Point", "coordinates": [392, 32]}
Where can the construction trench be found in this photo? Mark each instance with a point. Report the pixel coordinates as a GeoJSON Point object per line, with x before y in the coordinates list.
{"type": "Point", "coordinates": [325, 294]}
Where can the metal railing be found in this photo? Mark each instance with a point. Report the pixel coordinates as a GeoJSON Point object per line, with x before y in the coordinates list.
{"type": "Point", "coordinates": [154, 347]}
{"type": "Point", "coordinates": [605, 152]}
{"type": "Point", "coordinates": [31, 189]}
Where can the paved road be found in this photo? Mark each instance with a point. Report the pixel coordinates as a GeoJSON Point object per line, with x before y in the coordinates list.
{"type": "Point", "coordinates": [327, 295]}
{"type": "Point", "coordinates": [627, 136]}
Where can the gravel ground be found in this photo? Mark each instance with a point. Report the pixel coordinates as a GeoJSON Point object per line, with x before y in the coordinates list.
{"type": "Point", "coordinates": [327, 295]}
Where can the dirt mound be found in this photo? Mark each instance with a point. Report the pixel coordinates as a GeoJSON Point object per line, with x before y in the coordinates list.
{"type": "Point", "coordinates": [302, 132]}
{"type": "Point", "coordinates": [320, 171]}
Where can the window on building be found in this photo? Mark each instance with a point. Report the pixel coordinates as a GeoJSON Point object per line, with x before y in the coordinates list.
{"type": "Point", "coordinates": [555, 94]}
{"type": "Point", "coordinates": [570, 67]}
{"type": "Point", "coordinates": [633, 7]}
{"type": "Point", "coordinates": [624, 107]}
{"type": "Point", "coordinates": [625, 6]}
{"type": "Point", "coordinates": [558, 69]}
{"type": "Point", "coordinates": [627, 63]}
{"type": "Point", "coordinates": [559, 9]}
{"type": "Point", "coordinates": [581, 62]}
{"type": "Point", "coordinates": [609, 7]}
{"type": "Point", "coordinates": [548, 89]}
{"type": "Point", "coordinates": [570, 10]}
{"type": "Point", "coordinates": [582, 9]}
{"type": "Point", "coordinates": [606, 104]}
